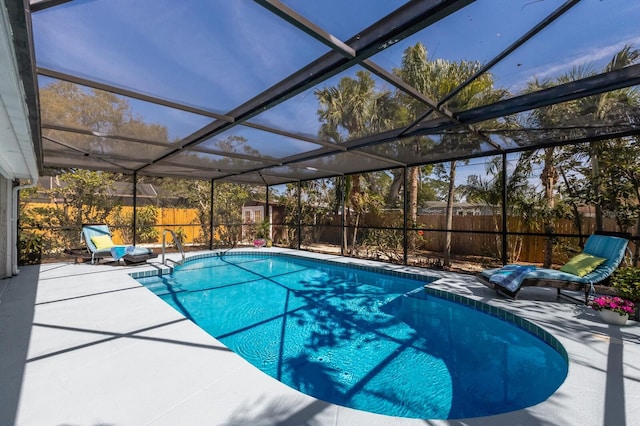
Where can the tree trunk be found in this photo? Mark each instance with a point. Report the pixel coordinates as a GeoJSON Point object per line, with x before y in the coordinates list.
{"type": "Point", "coordinates": [549, 177]}
{"type": "Point", "coordinates": [355, 234]}
{"type": "Point", "coordinates": [345, 236]}
{"type": "Point", "coordinates": [517, 248]}
{"type": "Point", "coordinates": [449, 224]}
{"type": "Point", "coordinates": [496, 227]}
{"type": "Point", "coordinates": [355, 198]}
{"type": "Point", "coordinates": [576, 216]}
{"type": "Point", "coordinates": [595, 177]}
{"type": "Point", "coordinates": [636, 251]}
{"type": "Point", "coordinates": [394, 189]}
{"type": "Point", "coordinates": [345, 198]}
{"type": "Point", "coordinates": [413, 204]}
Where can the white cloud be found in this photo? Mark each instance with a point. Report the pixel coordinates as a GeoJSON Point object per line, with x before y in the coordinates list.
{"type": "Point", "coordinates": [593, 56]}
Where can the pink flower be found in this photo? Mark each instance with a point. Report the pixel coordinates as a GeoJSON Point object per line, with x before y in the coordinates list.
{"type": "Point", "coordinates": [613, 303]}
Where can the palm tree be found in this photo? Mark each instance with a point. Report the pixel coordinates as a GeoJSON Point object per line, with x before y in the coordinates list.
{"type": "Point", "coordinates": [604, 108]}
{"type": "Point", "coordinates": [436, 79]}
{"type": "Point", "coordinates": [609, 105]}
{"type": "Point", "coordinates": [607, 108]}
{"type": "Point", "coordinates": [352, 109]}
{"type": "Point", "coordinates": [413, 70]}
{"type": "Point", "coordinates": [547, 117]}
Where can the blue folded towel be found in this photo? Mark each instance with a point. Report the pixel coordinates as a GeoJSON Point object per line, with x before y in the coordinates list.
{"type": "Point", "coordinates": [511, 276]}
{"type": "Point", "coordinates": [120, 251]}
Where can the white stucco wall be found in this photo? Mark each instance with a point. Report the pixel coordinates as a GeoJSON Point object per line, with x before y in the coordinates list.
{"type": "Point", "coordinates": [5, 227]}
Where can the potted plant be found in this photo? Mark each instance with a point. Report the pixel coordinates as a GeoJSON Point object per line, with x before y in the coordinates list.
{"type": "Point", "coordinates": [613, 309]}
{"type": "Point", "coordinates": [626, 282]}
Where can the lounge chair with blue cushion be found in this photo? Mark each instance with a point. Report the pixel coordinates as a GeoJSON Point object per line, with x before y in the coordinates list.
{"type": "Point", "coordinates": [98, 240]}
{"type": "Point", "coordinates": [600, 258]}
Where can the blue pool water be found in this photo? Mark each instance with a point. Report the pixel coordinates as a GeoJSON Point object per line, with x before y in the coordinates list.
{"type": "Point", "coordinates": [361, 339]}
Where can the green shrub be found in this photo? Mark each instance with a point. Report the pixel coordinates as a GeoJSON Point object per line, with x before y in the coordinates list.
{"type": "Point", "coordinates": [30, 248]}
{"type": "Point", "coordinates": [262, 229]}
{"type": "Point", "coordinates": [146, 230]}
{"type": "Point", "coordinates": [627, 283]}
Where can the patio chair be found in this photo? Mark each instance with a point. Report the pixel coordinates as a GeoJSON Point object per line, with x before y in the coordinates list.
{"type": "Point", "coordinates": [609, 250]}
{"type": "Point", "coordinates": [98, 240]}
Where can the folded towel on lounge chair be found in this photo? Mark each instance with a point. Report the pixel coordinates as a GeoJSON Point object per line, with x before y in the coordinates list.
{"type": "Point", "coordinates": [118, 252]}
{"type": "Point", "coordinates": [131, 254]}
{"type": "Point", "coordinates": [511, 276]}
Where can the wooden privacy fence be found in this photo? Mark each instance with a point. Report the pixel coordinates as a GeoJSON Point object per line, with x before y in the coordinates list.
{"type": "Point", "coordinates": [182, 221]}
{"type": "Point", "coordinates": [472, 235]}
{"type": "Point", "coordinates": [523, 248]}
{"type": "Point", "coordinates": [475, 235]}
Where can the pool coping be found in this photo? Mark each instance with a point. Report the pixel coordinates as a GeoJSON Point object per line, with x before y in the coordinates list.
{"type": "Point", "coordinates": [269, 252]}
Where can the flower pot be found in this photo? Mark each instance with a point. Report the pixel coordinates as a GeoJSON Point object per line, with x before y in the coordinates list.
{"type": "Point", "coordinates": [614, 318]}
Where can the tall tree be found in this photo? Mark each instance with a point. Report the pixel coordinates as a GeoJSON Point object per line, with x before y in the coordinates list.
{"type": "Point", "coordinates": [547, 117]}
{"type": "Point", "coordinates": [607, 107]}
{"type": "Point", "coordinates": [578, 118]}
{"type": "Point", "coordinates": [352, 109]}
{"type": "Point", "coordinates": [86, 195]}
{"type": "Point", "coordinates": [436, 79]}
{"type": "Point", "coordinates": [415, 71]}
{"type": "Point", "coordinates": [622, 163]}
{"type": "Point", "coordinates": [68, 104]}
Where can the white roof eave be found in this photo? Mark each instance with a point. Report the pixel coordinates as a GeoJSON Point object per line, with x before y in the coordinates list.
{"type": "Point", "coordinates": [17, 154]}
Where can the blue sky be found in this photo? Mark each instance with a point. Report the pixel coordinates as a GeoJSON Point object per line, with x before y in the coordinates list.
{"type": "Point", "coordinates": [218, 54]}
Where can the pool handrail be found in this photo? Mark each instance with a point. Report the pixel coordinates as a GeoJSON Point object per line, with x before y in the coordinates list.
{"type": "Point", "coordinates": [178, 245]}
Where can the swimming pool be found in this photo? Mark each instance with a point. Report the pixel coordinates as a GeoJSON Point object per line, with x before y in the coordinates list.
{"type": "Point", "coordinates": [366, 340]}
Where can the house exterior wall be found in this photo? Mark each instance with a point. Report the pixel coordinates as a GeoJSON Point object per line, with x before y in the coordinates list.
{"type": "Point", "coordinates": [6, 249]}
{"type": "Point", "coordinates": [256, 214]}
{"type": "Point", "coordinates": [251, 215]}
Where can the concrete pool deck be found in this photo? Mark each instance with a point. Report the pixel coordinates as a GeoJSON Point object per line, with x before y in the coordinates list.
{"type": "Point", "coordinates": [87, 345]}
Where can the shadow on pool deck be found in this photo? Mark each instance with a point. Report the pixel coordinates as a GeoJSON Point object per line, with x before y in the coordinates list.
{"type": "Point", "coordinates": [84, 344]}
{"type": "Point", "coordinates": [17, 305]}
